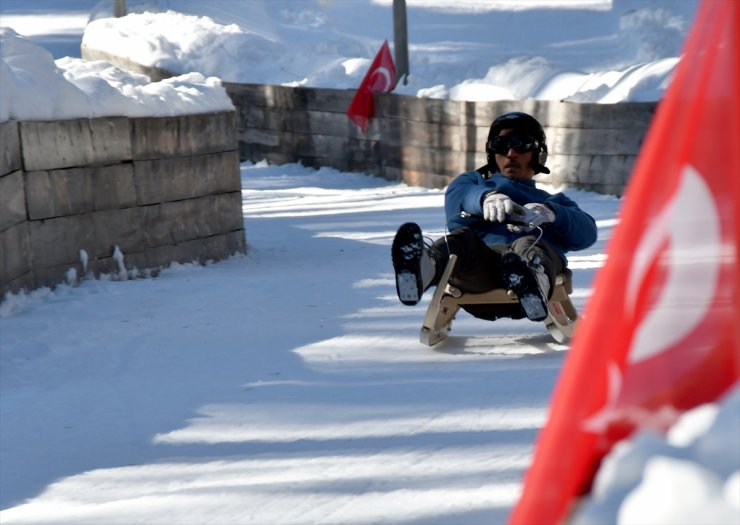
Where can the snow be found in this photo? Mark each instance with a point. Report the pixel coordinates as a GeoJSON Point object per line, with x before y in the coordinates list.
{"type": "Point", "coordinates": [35, 87]}
{"type": "Point", "coordinates": [288, 385]}
{"type": "Point", "coordinates": [692, 475]}
{"type": "Point", "coordinates": [476, 50]}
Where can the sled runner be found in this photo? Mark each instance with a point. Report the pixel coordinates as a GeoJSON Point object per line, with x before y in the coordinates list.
{"type": "Point", "coordinates": [447, 301]}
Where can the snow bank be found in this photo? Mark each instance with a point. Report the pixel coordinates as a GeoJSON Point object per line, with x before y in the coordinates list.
{"type": "Point", "coordinates": [35, 87]}
{"type": "Point", "coordinates": [472, 50]}
{"type": "Point", "coordinates": [692, 475]}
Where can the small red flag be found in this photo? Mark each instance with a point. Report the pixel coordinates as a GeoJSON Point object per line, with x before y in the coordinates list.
{"type": "Point", "coordinates": [660, 334]}
{"type": "Point", "coordinates": [380, 78]}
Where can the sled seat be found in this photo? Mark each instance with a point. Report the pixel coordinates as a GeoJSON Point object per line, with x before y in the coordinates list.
{"type": "Point", "coordinates": [448, 299]}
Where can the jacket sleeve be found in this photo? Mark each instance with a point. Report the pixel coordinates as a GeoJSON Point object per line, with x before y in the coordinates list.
{"type": "Point", "coordinates": [465, 193]}
{"type": "Point", "coordinates": [573, 227]}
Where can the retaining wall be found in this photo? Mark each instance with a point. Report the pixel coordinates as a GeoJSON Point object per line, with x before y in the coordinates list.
{"type": "Point", "coordinates": [116, 195]}
{"type": "Point", "coordinates": [428, 142]}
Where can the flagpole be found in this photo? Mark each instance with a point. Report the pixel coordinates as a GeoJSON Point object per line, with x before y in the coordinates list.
{"type": "Point", "coordinates": [400, 41]}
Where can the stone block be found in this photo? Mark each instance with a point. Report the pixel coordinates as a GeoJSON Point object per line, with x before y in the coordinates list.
{"type": "Point", "coordinates": [10, 148]}
{"type": "Point", "coordinates": [483, 113]}
{"type": "Point", "coordinates": [178, 178]}
{"type": "Point", "coordinates": [75, 142]}
{"type": "Point", "coordinates": [184, 135]}
{"type": "Point", "coordinates": [245, 95]}
{"type": "Point", "coordinates": [321, 123]}
{"type": "Point", "coordinates": [260, 136]}
{"type": "Point", "coordinates": [200, 250]}
{"type": "Point", "coordinates": [594, 141]}
{"type": "Point", "coordinates": [56, 193]}
{"type": "Point", "coordinates": [134, 263]}
{"type": "Point", "coordinates": [633, 115]}
{"type": "Point", "coordinates": [158, 224]}
{"type": "Point", "coordinates": [123, 228]}
{"type": "Point", "coordinates": [429, 160]}
{"type": "Point", "coordinates": [12, 200]}
{"type": "Point", "coordinates": [292, 98]}
{"type": "Point", "coordinates": [326, 100]}
{"type": "Point", "coordinates": [564, 114]}
{"type": "Point", "coordinates": [433, 135]}
{"type": "Point", "coordinates": [175, 222]}
{"type": "Point", "coordinates": [59, 240]}
{"type": "Point", "coordinates": [113, 186]}
{"type": "Point", "coordinates": [327, 146]}
{"type": "Point", "coordinates": [15, 252]}
{"type": "Point", "coordinates": [592, 171]}
{"type": "Point", "coordinates": [154, 137]}
{"type": "Point", "coordinates": [405, 107]}
{"type": "Point", "coordinates": [253, 117]}
{"type": "Point", "coordinates": [208, 133]}
{"type": "Point", "coordinates": [275, 96]}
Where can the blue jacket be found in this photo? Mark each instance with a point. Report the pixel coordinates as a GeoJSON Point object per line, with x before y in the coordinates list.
{"type": "Point", "coordinates": [573, 228]}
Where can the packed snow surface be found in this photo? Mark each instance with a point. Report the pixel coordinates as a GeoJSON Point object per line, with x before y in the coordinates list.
{"type": "Point", "coordinates": [289, 386]}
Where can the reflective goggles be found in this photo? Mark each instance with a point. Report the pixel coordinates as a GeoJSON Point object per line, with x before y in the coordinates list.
{"type": "Point", "coordinates": [519, 143]}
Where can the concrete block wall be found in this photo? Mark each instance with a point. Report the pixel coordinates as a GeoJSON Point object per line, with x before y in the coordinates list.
{"type": "Point", "coordinates": [428, 142]}
{"type": "Point", "coordinates": [161, 190]}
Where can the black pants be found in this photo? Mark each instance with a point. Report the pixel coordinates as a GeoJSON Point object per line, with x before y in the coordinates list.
{"type": "Point", "coordinates": [478, 267]}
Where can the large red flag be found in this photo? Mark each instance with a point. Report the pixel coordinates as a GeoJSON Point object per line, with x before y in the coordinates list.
{"type": "Point", "coordinates": [380, 78]}
{"type": "Point", "coordinates": [660, 334]}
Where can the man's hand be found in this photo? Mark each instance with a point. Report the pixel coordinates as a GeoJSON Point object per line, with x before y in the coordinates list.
{"type": "Point", "coordinates": [536, 215]}
{"type": "Point", "coordinates": [496, 207]}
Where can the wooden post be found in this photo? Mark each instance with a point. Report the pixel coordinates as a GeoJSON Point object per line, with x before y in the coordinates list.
{"type": "Point", "coordinates": [400, 41]}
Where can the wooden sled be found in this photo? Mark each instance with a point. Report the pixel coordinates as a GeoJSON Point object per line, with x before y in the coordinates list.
{"type": "Point", "coordinates": [447, 301]}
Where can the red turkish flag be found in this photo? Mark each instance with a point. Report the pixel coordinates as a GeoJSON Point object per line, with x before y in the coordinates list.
{"type": "Point", "coordinates": [660, 334]}
{"type": "Point", "coordinates": [380, 78]}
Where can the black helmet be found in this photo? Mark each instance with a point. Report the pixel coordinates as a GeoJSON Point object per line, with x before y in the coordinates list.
{"type": "Point", "coordinates": [523, 123]}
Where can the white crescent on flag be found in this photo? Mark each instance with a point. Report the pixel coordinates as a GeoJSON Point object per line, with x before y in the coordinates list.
{"type": "Point", "coordinates": [386, 74]}
{"type": "Point", "coordinates": [691, 224]}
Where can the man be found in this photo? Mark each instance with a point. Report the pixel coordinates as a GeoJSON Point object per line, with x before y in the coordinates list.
{"type": "Point", "coordinates": [504, 230]}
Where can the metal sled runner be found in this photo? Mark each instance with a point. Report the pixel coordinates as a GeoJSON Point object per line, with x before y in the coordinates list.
{"type": "Point", "coordinates": [447, 301]}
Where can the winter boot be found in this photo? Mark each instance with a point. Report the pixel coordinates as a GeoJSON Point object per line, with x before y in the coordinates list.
{"type": "Point", "coordinates": [414, 266]}
{"type": "Point", "coordinates": [529, 282]}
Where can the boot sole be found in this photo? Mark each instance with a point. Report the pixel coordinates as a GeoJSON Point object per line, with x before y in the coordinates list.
{"type": "Point", "coordinates": [406, 252]}
{"type": "Point", "coordinates": [519, 279]}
